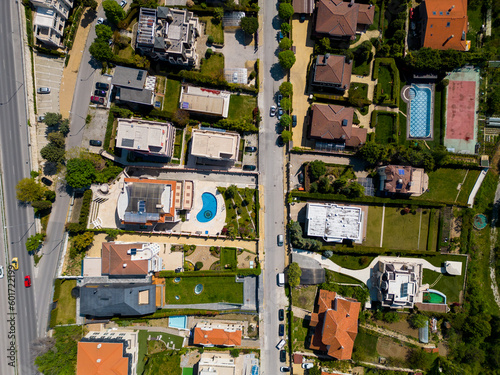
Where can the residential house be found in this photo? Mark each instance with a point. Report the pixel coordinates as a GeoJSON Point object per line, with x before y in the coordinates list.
{"type": "Point", "coordinates": [217, 334]}
{"type": "Point", "coordinates": [205, 101]}
{"type": "Point", "coordinates": [445, 24]}
{"type": "Point", "coordinates": [338, 19]}
{"type": "Point", "coordinates": [303, 6]}
{"type": "Point", "coordinates": [133, 86]}
{"type": "Point", "coordinates": [49, 20]}
{"type": "Point", "coordinates": [168, 34]}
{"type": "Point", "coordinates": [335, 323]}
{"type": "Point", "coordinates": [331, 127]}
{"type": "Point", "coordinates": [217, 363]}
{"type": "Point", "coordinates": [332, 71]}
{"type": "Point", "coordinates": [108, 352]}
{"type": "Point", "coordinates": [215, 147]}
{"type": "Point", "coordinates": [405, 180]}
{"type": "Point", "coordinates": [130, 259]}
{"type": "Point", "coordinates": [146, 137]}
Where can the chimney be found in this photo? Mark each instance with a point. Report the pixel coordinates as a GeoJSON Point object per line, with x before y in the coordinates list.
{"type": "Point", "coordinates": [400, 181]}
{"type": "Point", "coordinates": [453, 6]}
{"type": "Point", "coordinates": [99, 346]}
{"type": "Point", "coordinates": [124, 265]}
{"type": "Point", "coordinates": [351, 3]}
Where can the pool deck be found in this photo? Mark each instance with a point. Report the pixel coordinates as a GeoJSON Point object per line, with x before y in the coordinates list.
{"type": "Point", "coordinates": [405, 97]}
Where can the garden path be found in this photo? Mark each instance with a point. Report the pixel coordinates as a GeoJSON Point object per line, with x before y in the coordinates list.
{"type": "Point", "coordinates": [396, 335]}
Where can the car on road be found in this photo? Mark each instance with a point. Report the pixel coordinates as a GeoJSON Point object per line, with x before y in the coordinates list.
{"type": "Point", "coordinates": [100, 93]}
{"type": "Point", "coordinates": [279, 99]}
{"type": "Point", "coordinates": [284, 369]}
{"type": "Point", "coordinates": [102, 86]}
{"type": "Point", "coordinates": [283, 355]}
{"type": "Point", "coordinates": [27, 281]}
{"type": "Point", "coordinates": [100, 21]}
{"type": "Point", "coordinates": [272, 111]}
{"type": "Point", "coordinates": [250, 149]}
{"type": "Point", "coordinates": [1, 272]}
{"type": "Point", "coordinates": [281, 330]}
{"type": "Point", "coordinates": [15, 263]}
{"type": "Point", "coordinates": [123, 3]}
{"type": "Point", "coordinates": [41, 118]}
{"type": "Point", "coordinates": [43, 90]}
{"type": "Point", "coordinates": [308, 366]}
{"type": "Point", "coordinates": [280, 36]}
{"type": "Point", "coordinates": [281, 315]}
{"type": "Point", "coordinates": [47, 181]}
{"type": "Point", "coordinates": [280, 141]}
{"type": "Point", "coordinates": [280, 240]}
{"type": "Point", "coordinates": [95, 142]}
{"type": "Point", "coordinates": [248, 167]}
{"type": "Point", "coordinates": [97, 100]}
{"type": "Point", "coordinates": [294, 121]}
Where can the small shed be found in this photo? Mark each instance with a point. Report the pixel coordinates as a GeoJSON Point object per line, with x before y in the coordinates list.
{"type": "Point", "coordinates": [423, 333]}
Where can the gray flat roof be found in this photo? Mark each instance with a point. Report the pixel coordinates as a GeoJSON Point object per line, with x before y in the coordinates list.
{"type": "Point", "coordinates": [136, 96]}
{"type": "Point", "coordinates": [129, 77]}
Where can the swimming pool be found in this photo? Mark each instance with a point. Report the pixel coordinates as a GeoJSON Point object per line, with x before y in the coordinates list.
{"type": "Point", "coordinates": [420, 111]}
{"type": "Point", "coordinates": [177, 322]}
{"type": "Point", "coordinates": [433, 296]}
{"type": "Point", "coordinates": [209, 208]}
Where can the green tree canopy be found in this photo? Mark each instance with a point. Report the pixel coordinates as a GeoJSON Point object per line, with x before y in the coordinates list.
{"type": "Point", "coordinates": [52, 153]}
{"type": "Point", "coordinates": [52, 119]}
{"type": "Point", "coordinates": [286, 59]}
{"type": "Point", "coordinates": [285, 28]}
{"type": "Point", "coordinates": [41, 205]}
{"type": "Point", "coordinates": [286, 89]}
{"type": "Point", "coordinates": [114, 12]}
{"type": "Point", "coordinates": [418, 320]}
{"type": "Point", "coordinates": [285, 43]}
{"type": "Point", "coordinates": [57, 138]}
{"type": "Point", "coordinates": [294, 273]}
{"type": "Point", "coordinates": [286, 135]}
{"type": "Point", "coordinates": [100, 50]}
{"type": "Point", "coordinates": [34, 242]}
{"type": "Point", "coordinates": [317, 169]}
{"type": "Point", "coordinates": [494, 102]}
{"type": "Point", "coordinates": [250, 25]}
{"type": "Point", "coordinates": [79, 173]}
{"type": "Point", "coordinates": [89, 3]}
{"type": "Point", "coordinates": [286, 104]}
{"type": "Point", "coordinates": [218, 14]}
{"type": "Point", "coordinates": [29, 190]}
{"type": "Point", "coordinates": [83, 241]}
{"type": "Point", "coordinates": [103, 31]}
{"type": "Point", "coordinates": [285, 11]}
{"type": "Point", "coordinates": [285, 121]}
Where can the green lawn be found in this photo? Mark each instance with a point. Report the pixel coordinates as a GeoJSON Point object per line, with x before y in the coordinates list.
{"type": "Point", "coordinates": [187, 371]}
{"type": "Point", "coordinates": [143, 350]}
{"type": "Point", "coordinates": [164, 362]}
{"type": "Point", "coordinates": [172, 94]}
{"type": "Point", "coordinates": [241, 106]}
{"type": "Point", "coordinates": [443, 184]}
{"type": "Point", "coordinates": [385, 79]}
{"type": "Point", "coordinates": [351, 262]}
{"type": "Point", "coordinates": [305, 297]}
{"type": "Point", "coordinates": [299, 332]}
{"type": "Point", "coordinates": [402, 128]}
{"type": "Point", "coordinates": [374, 226]}
{"type": "Point", "coordinates": [65, 312]}
{"type": "Point", "coordinates": [362, 69]}
{"type": "Point", "coordinates": [213, 66]}
{"type": "Point", "coordinates": [408, 226]}
{"type": "Point", "coordinates": [215, 289]}
{"type": "Point", "coordinates": [360, 87]}
{"type": "Point", "coordinates": [214, 29]}
{"type": "Point", "coordinates": [365, 345]}
{"type": "Point", "coordinates": [228, 257]}
{"type": "Point", "coordinates": [476, 19]}
{"type": "Point", "coordinates": [126, 53]}
{"type": "Point", "coordinates": [384, 128]}
{"type": "Point", "coordinates": [451, 286]}
{"type": "Point", "coordinates": [170, 340]}
{"type": "Point", "coordinates": [341, 278]}
{"type": "Point", "coordinates": [467, 186]}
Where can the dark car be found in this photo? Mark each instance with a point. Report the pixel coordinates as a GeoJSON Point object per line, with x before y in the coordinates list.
{"type": "Point", "coordinates": [248, 167]}
{"type": "Point", "coordinates": [280, 36]}
{"type": "Point", "coordinates": [300, 176]}
{"type": "Point", "coordinates": [281, 330]}
{"type": "Point", "coordinates": [280, 141]}
{"type": "Point", "coordinates": [281, 314]}
{"type": "Point", "coordinates": [100, 93]}
{"type": "Point", "coordinates": [250, 149]}
{"type": "Point", "coordinates": [283, 355]}
{"type": "Point", "coordinates": [279, 99]}
{"type": "Point", "coordinates": [97, 100]}
{"type": "Point", "coordinates": [95, 142]}
{"type": "Point", "coordinates": [294, 121]}
{"type": "Point", "coordinates": [102, 86]}
{"type": "Point", "coordinates": [27, 281]}
{"type": "Point", "coordinates": [47, 181]}
{"type": "Point", "coordinates": [284, 369]}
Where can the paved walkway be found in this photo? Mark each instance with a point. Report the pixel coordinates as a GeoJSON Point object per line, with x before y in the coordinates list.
{"type": "Point", "coordinates": [475, 189]}
{"type": "Point", "coordinates": [300, 313]}
{"type": "Point", "coordinates": [370, 34]}
{"type": "Point", "coordinates": [396, 335]}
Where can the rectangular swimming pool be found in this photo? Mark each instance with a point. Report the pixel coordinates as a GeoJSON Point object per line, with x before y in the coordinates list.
{"type": "Point", "coordinates": [177, 322]}
{"type": "Point", "coordinates": [420, 111]}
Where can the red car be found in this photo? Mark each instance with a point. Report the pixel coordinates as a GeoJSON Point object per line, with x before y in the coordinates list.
{"type": "Point", "coordinates": [27, 281]}
{"type": "Point", "coordinates": [411, 13]}
{"type": "Point", "coordinates": [97, 100]}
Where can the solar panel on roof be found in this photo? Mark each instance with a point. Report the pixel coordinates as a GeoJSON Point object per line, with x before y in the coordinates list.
{"type": "Point", "coordinates": [404, 290]}
{"type": "Point", "coordinates": [401, 172]}
{"type": "Point", "coordinates": [142, 206]}
{"type": "Point", "coordinates": [185, 105]}
{"type": "Point", "coordinates": [139, 75]}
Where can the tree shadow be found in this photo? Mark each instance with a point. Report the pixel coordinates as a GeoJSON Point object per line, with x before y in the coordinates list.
{"type": "Point", "coordinates": [89, 17]}
{"type": "Point", "coordinates": [277, 72]}
{"type": "Point", "coordinates": [242, 37]}
{"type": "Point", "coordinates": [49, 169]}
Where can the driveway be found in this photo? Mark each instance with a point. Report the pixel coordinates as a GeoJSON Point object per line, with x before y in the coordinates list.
{"type": "Point", "coordinates": [238, 49]}
{"type": "Point", "coordinates": [301, 32]}
{"type": "Point", "coordinates": [96, 129]}
{"type": "Point", "coordinates": [48, 73]}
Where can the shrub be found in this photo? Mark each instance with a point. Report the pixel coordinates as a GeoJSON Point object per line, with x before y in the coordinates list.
{"type": "Point", "coordinates": [285, 11]}
{"type": "Point", "coordinates": [210, 39]}
{"type": "Point", "coordinates": [198, 266]}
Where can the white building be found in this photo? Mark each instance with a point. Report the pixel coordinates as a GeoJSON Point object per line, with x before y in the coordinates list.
{"type": "Point", "coordinates": [49, 20]}
{"type": "Point", "coordinates": [334, 223]}
{"type": "Point", "coordinates": [216, 364]}
{"type": "Point", "coordinates": [215, 147]}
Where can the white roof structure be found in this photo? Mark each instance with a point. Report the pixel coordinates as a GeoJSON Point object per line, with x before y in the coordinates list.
{"type": "Point", "coordinates": [217, 145]}
{"type": "Point", "coordinates": [334, 223]}
{"type": "Point", "coordinates": [453, 268]}
{"type": "Point", "coordinates": [206, 101]}
{"type": "Point", "coordinates": [216, 364]}
{"type": "Point", "coordinates": [155, 138]}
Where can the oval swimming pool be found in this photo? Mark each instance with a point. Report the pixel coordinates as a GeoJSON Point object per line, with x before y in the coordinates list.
{"type": "Point", "coordinates": [209, 208]}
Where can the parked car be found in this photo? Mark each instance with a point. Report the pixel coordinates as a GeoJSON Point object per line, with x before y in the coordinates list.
{"type": "Point", "coordinates": [280, 239]}
{"type": "Point", "coordinates": [302, 17]}
{"type": "Point", "coordinates": [248, 167]}
{"type": "Point", "coordinates": [281, 330]}
{"type": "Point", "coordinates": [300, 177]}
{"type": "Point", "coordinates": [281, 314]}
{"type": "Point", "coordinates": [100, 93]}
{"type": "Point", "coordinates": [250, 149]}
{"type": "Point", "coordinates": [100, 21]}
{"type": "Point", "coordinates": [280, 111]}
{"type": "Point", "coordinates": [279, 99]}
{"type": "Point", "coordinates": [97, 100]}
{"type": "Point", "coordinates": [123, 3]}
{"type": "Point", "coordinates": [102, 85]}
{"type": "Point", "coordinates": [27, 281]}
{"type": "Point", "coordinates": [15, 263]}
{"type": "Point", "coordinates": [41, 118]}
{"type": "Point", "coordinates": [280, 141]}
{"type": "Point", "coordinates": [1, 272]}
{"type": "Point", "coordinates": [46, 181]}
{"type": "Point", "coordinates": [43, 90]}
{"type": "Point", "coordinates": [307, 365]}
{"type": "Point", "coordinates": [284, 369]}
{"type": "Point", "coordinates": [283, 355]}
{"type": "Point", "coordinates": [272, 111]}
{"type": "Point", "coordinates": [280, 36]}
{"type": "Point", "coordinates": [95, 142]}
{"type": "Point", "coordinates": [294, 121]}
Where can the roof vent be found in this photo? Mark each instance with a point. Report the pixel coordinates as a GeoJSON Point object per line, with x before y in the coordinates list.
{"type": "Point", "coordinates": [99, 346]}
{"type": "Point", "coordinates": [453, 6]}
{"type": "Point", "coordinates": [347, 315]}
{"type": "Point", "coordinates": [124, 265]}
{"type": "Point", "coordinates": [99, 360]}
{"type": "Point", "coordinates": [400, 181]}
{"type": "Point", "coordinates": [344, 122]}
{"type": "Point", "coordinates": [129, 252]}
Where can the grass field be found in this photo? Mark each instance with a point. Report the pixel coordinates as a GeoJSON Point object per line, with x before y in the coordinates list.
{"type": "Point", "coordinates": [451, 286]}
{"type": "Point", "coordinates": [467, 186]}
{"type": "Point", "coordinates": [241, 106]}
{"type": "Point", "coordinates": [374, 226]}
{"type": "Point", "coordinates": [299, 332]}
{"type": "Point", "coordinates": [172, 94]}
{"type": "Point", "coordinates": [228, 257]}
{"type": "Point", "coordinates": [214, 29]}
{"type": "Point", "coordinates": [361, 88]}
{"type": "Point", "coordinates": [213, 66]}
{"type": "Point", "coordinates": [215, 289]}
{"type": "Point", "coordinates": [349, 261]}
{"type": "Point", "coordinates": [164, 362]}
{"type": "Point", "coordinates": [413, 229]}
{"type": "Point", "coordinates": [305, 297]}
{"type": "Point", "coordinates": [365, 345]}
{"type": "Point", "coordinates": [384, 129]}
{"type": "Point", "coordinates": [126, 53]}
{"type": "Point", "coordinates": [385, 79]}
{"type": "Point", "coordinates": [65, 312]}
{"type": "Point", "coordinates": [402, 128]}
{"type": "Point", "coordinates": [443, 185]}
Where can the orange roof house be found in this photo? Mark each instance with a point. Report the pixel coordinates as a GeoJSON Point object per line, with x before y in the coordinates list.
{"type": "Point", "coordinates": [102, 358]}
{"type": "Point", "coordinates": [216, 337]}
{"type": "Point", "coordinates": [445, 24]}
{"type": "Point", "coordinates": [332, 71]}
{"type": "Point", "coordinates": [336, 325]}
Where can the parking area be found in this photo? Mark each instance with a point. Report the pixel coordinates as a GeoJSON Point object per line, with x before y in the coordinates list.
{"type": "Point", "coordinates": [48, 73]}
{"type": "Point", "coordinates": [96, 129]}
{"type": "Point", "coordinates": [250, 158]}
{"type": "Point", "coordinates": [238, 49]}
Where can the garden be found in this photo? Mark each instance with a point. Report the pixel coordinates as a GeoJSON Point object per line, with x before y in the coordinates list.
{"type": "Point", "coordinates": [154, 357]}
{"type": "Point", "coordinates": [241, 106]}
{"type": "Point", "coordinates": [385, 124]}
{"type": "Point", "coordinates": [242, 210]}
{"type": "Point", "coordinates": [387, 90]}
{"type": "Point", "coordinates": [65, 310]}
{"type": "Point", "coordinates": [215, 289]}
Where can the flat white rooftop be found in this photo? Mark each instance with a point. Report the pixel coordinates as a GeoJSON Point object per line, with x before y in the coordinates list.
{"type": "Point", "coordinates": [215, 145]}
{"type": "Point", "coordinates": [146, 136]}
{"type": "Point", "coordinates": [44, 17]}
{"type": "Point", "coordinates": [334, 223]}
{"type": "Point", "coordinates": [208, 101]}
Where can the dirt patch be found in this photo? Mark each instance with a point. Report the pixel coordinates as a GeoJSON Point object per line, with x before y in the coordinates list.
{"type": "Point", "coordinates": [456, 227]}
{"type": "Point", "coordinates": [443, 349]}
{"type": "Point", "coordinates": [401, 327]}
{"type": "Point", "coordinates": [387, 347]}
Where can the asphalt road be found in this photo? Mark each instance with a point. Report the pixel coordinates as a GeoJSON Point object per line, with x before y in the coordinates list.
{"type": "Point", "coordinates": [19, 223]}
{"type": "Point", "coordinates": [271, 159]}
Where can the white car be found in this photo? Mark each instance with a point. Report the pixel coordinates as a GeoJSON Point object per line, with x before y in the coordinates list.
{"type": "Point", "coordinates": [100, 21]}
{"type": "Point", "coordinates": [1, 272]}
{"type": "Point", "coordinates": [307, 365]}
{"type": "Point", "coordinates": [123, 3]}
{"type": "Point", "coordinates": [43, 90]}
{"type": "Point", "coordinates": [272, 111]}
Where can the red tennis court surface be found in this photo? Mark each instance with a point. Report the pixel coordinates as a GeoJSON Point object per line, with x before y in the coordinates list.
{"type": "Point", "coordinates": [460, 110]}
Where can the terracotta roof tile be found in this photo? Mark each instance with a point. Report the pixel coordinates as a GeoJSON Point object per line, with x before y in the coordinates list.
{"type": "Point", "coordinates": [303, 6]}
{"type": "Point", "coordinates": [340, 19]}
{"type": "Point", "coordinates": [333, 69]}
{"type": "Point", "coordinates": [217, 337]}
{"type": "Point", "coordinates": [101, 358]}
{"type": "Point", "coordinates": [114, 256]}
{"type": "Point", "coordinates": [366, 14]}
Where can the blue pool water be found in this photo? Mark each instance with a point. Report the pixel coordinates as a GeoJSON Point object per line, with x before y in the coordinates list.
{"type": "Point", "coordinates": [209, 209]}
{"type": "Point", "coordinates": [420, 111]}
{"type": "Point", "coordinates": [177, 322]}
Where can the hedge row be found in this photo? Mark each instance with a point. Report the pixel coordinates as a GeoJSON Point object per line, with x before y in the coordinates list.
{"type": "Point", "coordinates": [396, 83]}
{"type": "Point", "coordinates": [70, 37]}
{"type": "Point", "coordinates": [430, 233]}
{"type": "Point", "coordinates": [85, 210]}
{"type": "Point", "coordinates": [241, 272]}
{"type": "Point", "coordinates": [335, 99]}
{"type": "Point", "coordinates": [376, 251]}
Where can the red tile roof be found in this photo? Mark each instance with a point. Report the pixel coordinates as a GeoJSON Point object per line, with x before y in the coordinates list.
{"type": "Point", "coordinates": [333, 69]}
{"type": "Point", "coordinates": [446, 24]}
{"type": "Point", "coordinates": [334, 123]}
{"type": "Point", "coordinates": [101, 358]}
{"type": "Point", "coordinates": [297, 358]}
{"type": "Point", "coordinates": [340, 19]}
{"type": "Point", "coordinates": [336, 323]}
{"type": "Point", "coordinates": [216, 337]}
{"type": "Point", "coordinates": [303, 6]}
{"type": "Point", "coordinates": [114, 257]}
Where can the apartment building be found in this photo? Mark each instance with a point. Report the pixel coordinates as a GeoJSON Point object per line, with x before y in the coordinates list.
{"type": "Point", "coordinates": [49, 20]}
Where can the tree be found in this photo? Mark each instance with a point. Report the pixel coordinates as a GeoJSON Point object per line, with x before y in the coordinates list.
{"type": "Point", "coordinates": [29, 190]}
{"type": "Point", "coordinates": [198, 266]}
{"type": "Point", "coordinates": [285, 43]}
{"type": "Point", "coordinates": [79, 173]}
{"type": "Point", "coordinates": [114, 12]}
{"type": "Point", "coordinates": [34, 242]}
{"type": "Point", "coordinates": [285, 11]}
{"type": "Point", "coordinates": [100, 49]}
{"type": "Point", "coordinates": [52, 119]}
{"type": "Point", "coordinates": [285, 28]}
{"type": "Point", "coordinates": [286, 135]}
{"type": "Point", "coordinates": [286, 59]}
{"type": "Point", "coordinates": [285, 121]}
{"type": "Point", "coordinates": [286, 104]}
{"type": "Point", "coordinates": [83, 241]}
{"type": "Point", "coordinates": [103, 32]}
{"type": "Point", "coordinates": [89, 3]}
{"type": "Point", "coordinates": [52, 153]}
{"type": "Point", "coordinates": [324, 44]}
{"type": "Point", "coordinates": [417, 358]}
{"type": "Point", "coordinates": [64, 127]}
{"type": "Point", "coordinates": [314, 371]}
{"type": "Point", "coordinates": [294, 273]}
{"type": "Point", "coordinates": [231, 192]}
{"type": "Point", "coordinates": [494, 102]}
{"type": "Point", "coordinates": [235, 353]}
{"type": "Point", "coordinates": [391, 317]}
{"type": "Point", "coordinates": [41, 205]}
{"type": "Point", "coordinates": [286, 89]}
{"type": "Point", "coordinates": [317, 169]}
{"type": "Point", "coordinates": [418, 320]}
{"type": "Point", "coordinates": [181, 117]}
{"type": "Point", "coordinates": [57, 138]}
{"type": "Point", "coordinates": [250, 25]}
{"type": "Point", "coordinates": [218, 14]}
{"type": "Point", "coordinates": [373, 153]}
